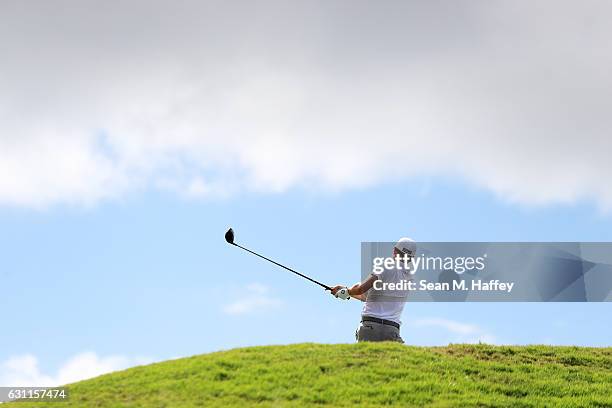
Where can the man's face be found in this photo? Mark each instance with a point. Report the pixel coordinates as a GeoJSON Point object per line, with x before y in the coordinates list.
{"type": "Point", "coordinates": [397, 252]}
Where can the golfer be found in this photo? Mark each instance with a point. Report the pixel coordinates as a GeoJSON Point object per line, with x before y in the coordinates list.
{"type": "Point", "coordinates": [380, 317]}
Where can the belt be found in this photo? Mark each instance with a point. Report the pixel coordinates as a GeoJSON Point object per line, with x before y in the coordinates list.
{"type": "Point", "coordinates": [378, 320]}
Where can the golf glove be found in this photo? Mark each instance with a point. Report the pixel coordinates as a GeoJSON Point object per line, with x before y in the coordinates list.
{"type": "Point", "coordinates": [343, 294]}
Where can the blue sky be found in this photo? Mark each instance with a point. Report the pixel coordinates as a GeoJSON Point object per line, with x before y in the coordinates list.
{"type": "Point", "coordinates": [151, 277]}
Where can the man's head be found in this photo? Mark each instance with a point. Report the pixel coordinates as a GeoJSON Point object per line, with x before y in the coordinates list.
{"type": "Point", "coordinates": [405, 246]}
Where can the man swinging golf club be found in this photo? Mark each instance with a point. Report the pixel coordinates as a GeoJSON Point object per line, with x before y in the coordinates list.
{"type": "Point", "coordinates": [380, 316]}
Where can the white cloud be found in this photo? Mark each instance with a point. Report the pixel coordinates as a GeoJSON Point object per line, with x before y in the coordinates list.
{"type": "Point", "coordinates": [206, 99]}
{"type": "Point", "coordinates": [24, 370]}
{"type": "Point", "coordinates": [457, 332]}
{"type": "Point", "coordinates": [450, 325]}
{"type": "Point", "coordinates": [253, 299]}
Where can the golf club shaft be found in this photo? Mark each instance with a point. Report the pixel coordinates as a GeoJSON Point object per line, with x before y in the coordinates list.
{"type": "Point", "coordinates": [283, 266]}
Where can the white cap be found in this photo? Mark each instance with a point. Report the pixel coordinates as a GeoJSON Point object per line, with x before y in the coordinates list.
{"type": "Point", "coordinates": [406, 246]}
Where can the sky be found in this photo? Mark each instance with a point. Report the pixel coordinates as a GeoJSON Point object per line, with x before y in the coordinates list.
{"type": "Point", "coordinates": [133, 135]}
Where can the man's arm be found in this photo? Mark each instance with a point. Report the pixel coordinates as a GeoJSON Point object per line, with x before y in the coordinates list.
{"type": "Point", "coordinates": [359, 289]}
{"type": "Point", "coordinates": [361, 297]}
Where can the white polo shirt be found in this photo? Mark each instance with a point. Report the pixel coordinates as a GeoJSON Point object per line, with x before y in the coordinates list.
{"type": "Point", "coordinates": [394, 300]}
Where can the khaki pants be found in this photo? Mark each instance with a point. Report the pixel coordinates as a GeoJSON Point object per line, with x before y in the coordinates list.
{"type": "Point", "coordinates": [373, 331]}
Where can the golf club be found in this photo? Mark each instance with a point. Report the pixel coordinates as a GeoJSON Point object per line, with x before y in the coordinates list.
{"type": "Point", "coordinates": [229, 237]}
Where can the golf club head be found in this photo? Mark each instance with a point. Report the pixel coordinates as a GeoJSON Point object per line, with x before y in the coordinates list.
{"type": "Point", "coordinates": [229, 236]}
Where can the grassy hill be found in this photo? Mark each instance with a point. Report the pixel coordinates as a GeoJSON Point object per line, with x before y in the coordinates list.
{"type": "Point", "coordinates": [365, 374]}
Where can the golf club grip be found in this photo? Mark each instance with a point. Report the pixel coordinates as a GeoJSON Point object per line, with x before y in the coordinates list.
{"type": "Point", "coordinates": [283, 266]}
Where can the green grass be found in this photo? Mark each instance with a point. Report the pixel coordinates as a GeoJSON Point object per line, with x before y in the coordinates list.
{"type": "Point", "coordinates": [368, 374]}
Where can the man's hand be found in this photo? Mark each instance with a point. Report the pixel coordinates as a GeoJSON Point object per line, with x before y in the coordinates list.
{"type": "Point", "coordinates": [340, 291]}
{"type": "Point", "coordinates": [356, 291]}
